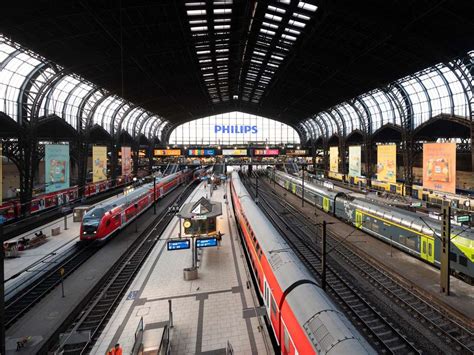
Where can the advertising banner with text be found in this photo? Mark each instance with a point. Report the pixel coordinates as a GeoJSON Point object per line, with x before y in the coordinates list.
{"type": "Point", "coordinates": [56, 167]}
{"type": "Point", "coordinates": [201, 152]}
{"type": "Point", "coordinates": [270, 152]}
{"type": "Point", "coordinates": [355, 161]}
{"type": "Point", "coordinates": [166, 152]}
{"type": "Point", "coordinates": [387, 163]}
{"type": "Point", "coordinates": [99, 163]}
{"type": "Point", "coordinates": [235, 152]}
{"type": "Point", "coordinates": [334, 159]}
{"type": "Point", "coordinates": [126, 161]}
{"type": "Point", "coordinates": [439, 166]}
{"type": "Point", "coordinates": [296, 152]}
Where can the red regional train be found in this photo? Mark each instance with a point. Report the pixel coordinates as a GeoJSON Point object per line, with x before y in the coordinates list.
{"type": "Point", "coordinates": [105, 219]}
{"type": "Point", "coordinates": [302, 317]}
{"type": "Point", "coordinates": [11, 209]}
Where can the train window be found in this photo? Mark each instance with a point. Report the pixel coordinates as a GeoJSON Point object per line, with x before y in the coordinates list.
{"type": "Point", "coordinates": [430, 249]}
{"type": "Point", "coordinates": [453, 257]}
{"type": "Point", "coordinates": [274, 308]}
{"type": "Point", "coordinates": [423, 243]}
{"type": "Point", "coordinates": [462, 260]}
{"type": "Point", "coordinates": [287, 340]}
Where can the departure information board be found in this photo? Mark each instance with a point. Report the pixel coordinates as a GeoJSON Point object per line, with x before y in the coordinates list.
{"type": "Point", "coordinates": [178, 244]}
{"type": "Point", "coordinates": [206, 242]}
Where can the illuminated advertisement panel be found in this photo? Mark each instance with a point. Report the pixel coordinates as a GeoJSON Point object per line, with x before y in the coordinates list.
{"type": "Point", "coordinates": [296, 152]}
{"type": "Point", "coordinates": [126, 155]}
{"type": "Point", "coordinates": [355, 161]}
{"type": "Point", "coordinates": [235, 152]}
{"type": "Point", "coordinates": [387, 163]}
{"type": "Point", "coordinates": [166, 152]}
{"type": "Point", "coordinates": [439, 166]}
{"type": "Point", "coordinates": [271, 152]}
{"type": "Point", "coordinates": [334, 159]}
{"type": "Point", "coordinates": [56, 167]}
{"type": "Point", "coordinates": [142, 153]}
{"type": "Point", "coordinates": [202, 152]}
{"type": "Point", "coordinates": [99, 163]}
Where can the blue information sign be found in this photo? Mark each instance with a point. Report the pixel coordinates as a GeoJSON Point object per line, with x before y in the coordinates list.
{"type": "Point", "coordinates": [206, 242]}
{"type": "Point", "coordinates": [178, 244]}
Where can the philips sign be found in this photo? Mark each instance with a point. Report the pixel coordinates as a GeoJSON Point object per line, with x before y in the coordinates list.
{"type": "Point", "coordinates": [235, 129]}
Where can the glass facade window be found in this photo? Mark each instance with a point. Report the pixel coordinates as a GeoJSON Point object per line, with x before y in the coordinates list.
{"type": "Point", "coordinates": [233, 128]}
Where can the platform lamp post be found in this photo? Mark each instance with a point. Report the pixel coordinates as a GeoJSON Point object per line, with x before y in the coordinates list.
{"type": "Point", "coordinates": [302, 186]}
{"type": "Point", "coordinates": [256, 188]}
{"type": "Point", "coordinates": [154, 194]}
{"type": "Point", "coordinates": [323, 258]}
{"type": "Point", "coordinates": [2, 292]}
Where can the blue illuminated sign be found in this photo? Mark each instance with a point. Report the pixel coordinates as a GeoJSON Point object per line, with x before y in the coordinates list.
{"type": "Point", "coordinates": [206, 242]}
{"type": "Point", "coordinates": [235, 129]}
{"type": "Point", "coordinates": [178, 244]}
{"type": "Point", "coordinates": [202, 152]}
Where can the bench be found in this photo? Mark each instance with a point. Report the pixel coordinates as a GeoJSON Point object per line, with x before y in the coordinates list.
{"type": "Point", "coordinates": [55, 231]}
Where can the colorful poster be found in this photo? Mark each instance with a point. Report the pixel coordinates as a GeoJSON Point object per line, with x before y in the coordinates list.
{"type": "Point", "coordinates": [354, 161]}
{"type": "Point", "coordinates": [126, 161]}
{"type": "Point", "coordinates": [334, 159]}
{"type": "Point", "coordinates": [166, 152]}
{"type": "Point", "coordinates": [387, 163]}
{"type": "Point", "coordinates": [235, 152]}
{"type": "Point", "coordinates": [266, 152]}
{"type": "Point", "coordinates": [56, 167]}
{"type": "Point", "coordinates": [202, 152]}
{"type": "Point", "coordinates": [439, 166]}
{"type": "Point", "coordinates": [1, 174]}
{"type": "Point", "coordinates": [99, 163]}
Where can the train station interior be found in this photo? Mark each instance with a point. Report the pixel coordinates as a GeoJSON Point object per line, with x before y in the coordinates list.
{"type": "Point", "coordinates": [237, 177]}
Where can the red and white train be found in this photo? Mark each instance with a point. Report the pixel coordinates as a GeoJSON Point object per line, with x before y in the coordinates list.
{"type": "Point", "coordinates": [107, 218]}
{"type": "Point", "coordinates": [11, 209]}
{"type": "Point", "coordinates": [303, 318]}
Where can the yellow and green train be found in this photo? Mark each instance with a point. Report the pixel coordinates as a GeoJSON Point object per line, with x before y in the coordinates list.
{"type": "Point", "coordinates": [403, 229]}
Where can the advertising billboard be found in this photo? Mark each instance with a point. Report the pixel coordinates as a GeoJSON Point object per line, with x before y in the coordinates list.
{"type": "Point", "coordinates": [99, 163]}
{"type": "Point", "coordinates": [334, 159]}
{"type": "Point", "coordinates": [439, 166]}
{"type": "Point", "coordinates": [296, 152]}
{"type": "Point", "coordinates": [126, 161]}
{"type": "Point", "coordinates": [166, 152]}
{"type": "Point", "coordinates": [1, 175]}
{"type": "Point", "coordinates": [387, 163]}
{"type": "Point", "coordinates": [355, 161]}
{"type": "Point", "coordinates": [56, 167]}
{"type": "Point", "coordinates": [202, 152]}
{"type": "Point", "coordinates": [235, 152]}
{"type": "Point", "coordinates": [266, 152]}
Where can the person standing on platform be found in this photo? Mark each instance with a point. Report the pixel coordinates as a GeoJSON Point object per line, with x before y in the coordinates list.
{"type": "Point", "coordinates": [118, 349]}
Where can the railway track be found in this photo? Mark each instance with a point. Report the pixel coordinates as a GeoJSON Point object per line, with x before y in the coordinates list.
{"type": "Point", "coordinates": [27, 297]}
{"type": "Point", "coordinates": [438, 321]}
{"type": "Point", "coordinates": [95, 315]}
{"type": "Point", "coordinates": [377, 328]}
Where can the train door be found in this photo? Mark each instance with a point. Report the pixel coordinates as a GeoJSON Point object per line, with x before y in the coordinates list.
{"type": "Point", "coordinates": [161, 192]}
{"type": "Point", "coordinates": [266, 295]}
{"type": "Point", "coordinates": [427, 249]}
{"type": "Point", "coordinates": [326, 204]}
{"type": "Point", "coordinates": [358, 219]}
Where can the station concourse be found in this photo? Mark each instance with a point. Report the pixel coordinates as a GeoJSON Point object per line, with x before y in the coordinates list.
{"type": "Point", "coordinates": [237, 177]}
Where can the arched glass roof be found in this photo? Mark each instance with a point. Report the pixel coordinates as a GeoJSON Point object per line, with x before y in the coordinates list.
{"type": "Point", "coordinates": [445, 88]}
{"type": "Point", "coordinates": [30, 83]}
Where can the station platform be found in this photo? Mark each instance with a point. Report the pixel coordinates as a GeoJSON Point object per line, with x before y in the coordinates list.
{"type": "Point", "coordinates": [34, 260]}
{"type": "Point", "coordinates": [420, 275]}
{"type": "Point", "coordinates": [44, 319]}
{"type": "Point", "coordinates": [216, 309]}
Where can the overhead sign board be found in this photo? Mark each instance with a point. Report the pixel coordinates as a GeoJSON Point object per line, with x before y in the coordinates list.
{"type": "Point", "coordinates": [202, 152]}
{"type": "Point", "coordinates": [267, 152]}
{"type": "Point", "coordinates": [296, 152]}
{"type": "Point", "coordinates": [178, 244]}
{"type": "Point", "coordinates": [166, 152]}
{"type": "Point", "coordinates": [463, 218]}
{"type": "Point", "coordinates": [234, 152]}
{"type": "Point", "coordinates": [206, 242]}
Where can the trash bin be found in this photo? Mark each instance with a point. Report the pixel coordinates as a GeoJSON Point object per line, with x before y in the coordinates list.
{"type": "Point", "coordinates": [190, 273]}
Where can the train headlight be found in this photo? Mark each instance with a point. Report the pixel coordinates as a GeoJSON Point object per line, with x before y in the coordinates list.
{"type": "Point", "coordinates": [95, 232]}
